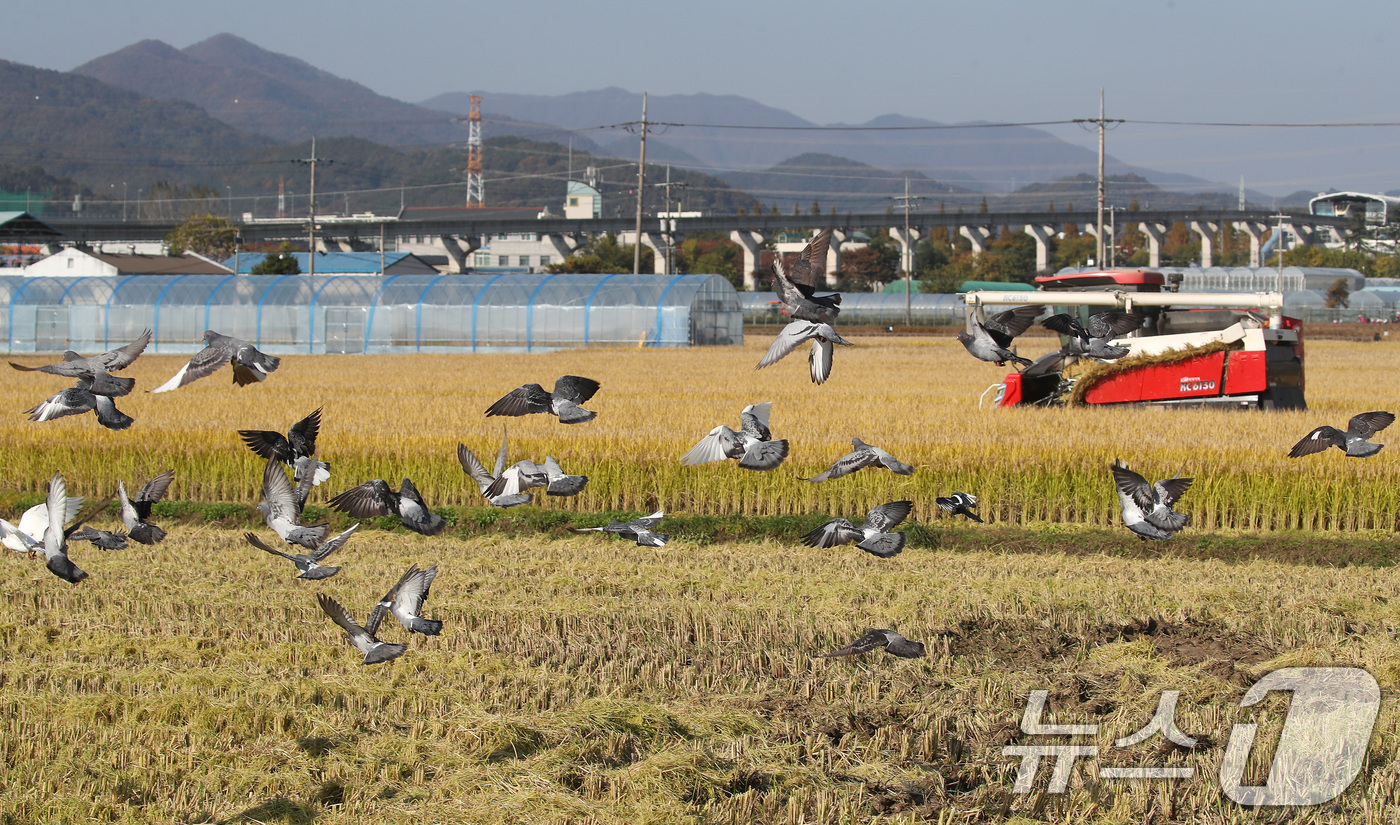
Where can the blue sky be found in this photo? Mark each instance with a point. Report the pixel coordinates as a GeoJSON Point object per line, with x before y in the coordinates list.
{"type": "Point", "coordinates": [1160, 60]}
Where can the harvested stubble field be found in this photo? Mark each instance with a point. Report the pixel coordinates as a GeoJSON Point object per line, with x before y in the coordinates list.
{"type": "Point", "coordinates": [580, 678]}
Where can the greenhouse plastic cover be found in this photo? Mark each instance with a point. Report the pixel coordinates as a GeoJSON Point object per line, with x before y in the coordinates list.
{"type": "Point", "coordinates": [371, 313]}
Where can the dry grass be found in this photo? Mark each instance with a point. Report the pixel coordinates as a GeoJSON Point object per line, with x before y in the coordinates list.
{"type": "Point", "coordinates": [392, 416]}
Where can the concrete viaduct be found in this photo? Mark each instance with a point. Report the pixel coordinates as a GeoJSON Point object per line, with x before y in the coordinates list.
{"type": "Point", "coordinates": [459, 237]}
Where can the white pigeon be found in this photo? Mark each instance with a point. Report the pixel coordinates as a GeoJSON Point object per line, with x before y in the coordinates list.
{"type": "Point", "coordinates": [29, 533]}
{"type": "Point", "coordinates": [794, 335]}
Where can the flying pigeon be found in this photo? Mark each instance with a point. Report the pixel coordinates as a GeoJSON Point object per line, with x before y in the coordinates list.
{"type": "Point", "coordinates": [374, 498]}
{"type": "Point", "coordinates": [281, 508]}
{"type": "Point", "coordinates": [78, 400]}
{"type": "Point", "coordinates": [297, 449]}
{"type": "Point", "coordinates": [249, 364]}
{"type": "Point", "coordinates": [1147, 508]}
{"type": "Point", "coordinates": [989, 341]}
{"type": "Point", "coordinates": [474, 468]}
{"type": "Point", "coordinates": [56, 537]}
{"type": "Point", "coordinates": [873, 536]}
{"type": "Point", "coordinates": [105, 539]}
{"type": "Point", "coordinates": [1093, 340]}
{"type": "Point", "coordinates": [864, 455]}
{"type": "Point", "coordinates": [407, 598]}
{"type": "Point", "coordinates": [959, 504]}
{"type": "Point", "coordinates": [569, 392]}
{"type": "Point", "coordinates": [875, 639]}
{"type": "Point", "coordinates": [135, 513]}
{"type": "Point", "coordinates": [309, 563]}
{"type": "Point", "coordinates": [1355, 442]}
{"type": "Point", "coordinates": [28, 536]}
{"type": "Point", "coordinates": [796, 289]}
{"type": "Point", "coordinates": [561, 483]}
{"type": "Point", "coordinates": [795, 335]}
{"type": "Point", "coordinates": [638, 529]}
{"type": "Point", "coordinates": [98, 369]}
{"type": "Point", "coordinates": [752, 445]}
{"type": "Point", "coordinates": [362, 637]}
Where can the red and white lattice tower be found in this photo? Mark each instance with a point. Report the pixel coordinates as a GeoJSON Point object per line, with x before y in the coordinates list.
{"type": "Point", "coordinates": [475, 194]}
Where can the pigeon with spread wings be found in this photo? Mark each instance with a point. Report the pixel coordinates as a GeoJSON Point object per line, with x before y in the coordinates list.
{"type": "Point", "coordinates": [281, 508]}
{"type": "Point", "coordinates": [873, 536]}
{"type": "Point", "coordinates": [56, 537]}
{"type": "Point", "coordinates": [250, 365]}
{"type": "Point", "coordinates": [362, 637]}
{"type": "Point", "coordinates": [863, 455]}
{"type": "Point", "coordinates": [753, 445]}
{"type": "Point", "coordinates": [876, 639]}
{"type": "Point", "coordinates": [309, 564]}
{"type": "Point", "coordinates": [1093, 339]}
{"type": "Point", "coordinates": [297, 449]}
{"type": "Point", "coordinates": [798, 288]}
{"type": "Point", "coordinates": [28, 535]}
{"type": "Point", "coordinates": [375, 498]}
{"type": "Point", "coordinates": [638, 530]}
{"type": "Point", "coordinates": [97, 369]}
{"type": "Point", "coordinates": [473, 467]}
{"type": "Point", "coordinates": [106, 539]}
{"type": "Point", "coordinates": [135, 513]}
{"type": "Point", "coordinates": [990, 341]}
{"type": "Point", "coordinates": [959, 504]}
{"type": "Point", "coordinates": [1147, 508]}
{"type": "Point", "coordinates": [1355, 442]}
{"type": "Point", "coordinates": [406, 599]}
{"type": "Point", "coordinates": [78, 400]}
{"type": "Point", "coordinates": [570, 391]}
{"type": "Point", "coordinates": [797, 333]}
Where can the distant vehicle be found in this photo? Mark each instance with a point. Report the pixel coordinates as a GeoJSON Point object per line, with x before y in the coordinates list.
{"type": "Point", "coordinates": [1253, 355]}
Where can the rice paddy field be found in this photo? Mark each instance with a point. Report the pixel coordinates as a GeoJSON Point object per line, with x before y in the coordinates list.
{"type": "Point", "coordinates": [583, 679]}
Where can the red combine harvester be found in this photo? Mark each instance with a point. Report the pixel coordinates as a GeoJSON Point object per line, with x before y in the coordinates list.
{"type": "Point", "coordinates": [1251, 355]}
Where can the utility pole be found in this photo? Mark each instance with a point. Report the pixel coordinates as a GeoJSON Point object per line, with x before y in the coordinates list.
{"type": "Point", "coordinates": [1278, 245]}
{"type": "Point", "coordinates": [907, 254]}
{"type": "Point", "coordinates": [1102, 124]}
{"type": "Point", "coordinates": [311, 209]}
{"type": "Point", "coordinates": [641, 184]}
{"type": "Point", "coordinates": [668, 224]}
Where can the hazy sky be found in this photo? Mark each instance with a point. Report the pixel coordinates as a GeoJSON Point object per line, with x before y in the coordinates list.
{"type": "Point", "coordinates": [1160, 60]}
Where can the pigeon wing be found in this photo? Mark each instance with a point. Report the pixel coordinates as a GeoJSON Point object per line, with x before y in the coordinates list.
{"type": "Point", "coordinates": [811, 263]}
{"type": "Point", "coordinates": [834, 532]}
{"type": "Point", "coordinates": [890, 514]}
{"type": "Point", "coordinates": [1368, 424]}
{"type": "Point", "coordinates": [72, 401]}
{"type": "Point", "coordinates": [122, 357]}
{"type": "Point", "coordinates": [267, 444]}
{"type": "Point", "coordinates": [1013, 321]}
{"type": "Point", "coordinates": [575, 388]}
{"type": "Point", "coordinates": [894, 465]}
{"type": "Point", "coordinates": [764, 455]}
{"type": "Point", "coordinates": [754, 420]}
{"type": "Point", "coordinates": [788, 340]}
{"type": "Point", "coordinates": [108, 415]}
{"type": "Point", "coordinates": [1065, 325]}
{"type": "Point", "coordinates": [523, 400]}
{"type": "Point", "coordinates": [846, 464]}
{"type": "Point", "coordinates": [415, 513]}
{"type": "Point", "coordinates": [258, 543]}
{"type": "Point", "coordinates": [1113, 324]}
{"type": "Point", "coordinates": [154, 490]}
{"type": "Point", "coordinates": [1133, 486]}
{"type": "Point", "coordinates": [904, 648]}
{"type": "Point", "coordinates": [279, 494]}
{"type": "Point", "coordinates": [1317, 441]}
{"type": "Point", "coordinates": [790, 293]}
{"type": "Point", "coordinates": [302, 435]}
{"type": "Point", "coordinates": [373, 498]}
{"type": "Point", "coordinates": [714, 447]}
{"type": "Point", "coordinates": [341, 616]}
{"type": "Point", "coordinates": [331, 545]}
{"type": "Point", "coordinates": [472, 467]}
{"type": "Point", "coordinates": [872, 640]}
{"type": "Point", "coordinates": [206, 362]}
{"type": "Point", "coordinates": [413, 588]}
{"type": "Point", "coordinates": [1170, 489]}
{"type": "Point", "coordinates": [819, 360]}
{"type": "Point", "coordinates": [884, 545]}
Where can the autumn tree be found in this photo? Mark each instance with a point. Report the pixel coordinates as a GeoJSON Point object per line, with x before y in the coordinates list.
{"type": "Point", "coordinates": [207, 235]}
{"type": "Point", "coordinates": [603, 255]}
{"type": "Point", "coordinates": [280, 262]}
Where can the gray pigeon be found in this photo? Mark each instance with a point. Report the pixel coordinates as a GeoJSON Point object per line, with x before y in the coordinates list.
{"type": "Point", "coordinates": [135, 513]}
{"type": "Point", "coordinates": [406, 599]}
{"type": "Point", "coordinates": [864, 455]}
{"type": "Point", "coordinates": [638, 530]}
{"type": "Point", "coordinates": [281, 509]}
{"type": "Point", "coordinates": [569, 392]}
{"type": "Point", "coordinates": [249, 364]}
{"type": "Point", "coordinates": [1355, 442]}
{"type": "Point", "coordinates": [362, 637]}
{"type": "Point", "coordinates": [374, 498]}
{"type": "Point", "coordinates": [875, 639]}
{"type": "Point", "coordinates": [1094, 339]}
{"type": "Point", "coordinates": [798, 333]}
{"type": "Point", "coordinates": [560, 482]}
{"type": "Point", "coordinates": [797, 289]}
{"type": "Point", "coordinates": [297, 449]}
{"type": "Point", "coordinates": [1147, 508]}
{"type": "Point", "coordinates": [959, 504]}
{"type": "Point", "coordinates": [474, 468]}
{"type": "Point", "coordinates": [752, 445]}
{"type": "Point", "coordinates": [78, 400]}
{"type": "Point", "coordinates": [309, 563]}
{"type": "Point", "coordinates": [105, 539]}
{"type": "Point", "coordinates": [990, 341]}
{"type": "Point", "coordinates": [873, 536]}
{"type": "Point", "coordinates": [97, 369]}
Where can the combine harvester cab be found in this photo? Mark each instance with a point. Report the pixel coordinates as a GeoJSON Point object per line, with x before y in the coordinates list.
{"type": "Point", "coordinates": [1194, 348]}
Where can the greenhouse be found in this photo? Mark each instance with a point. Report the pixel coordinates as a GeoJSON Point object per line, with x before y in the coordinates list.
{"type": "Point", "coordinates": [879, 308]}
{"type": "Point", "coordinates": [514, 311]}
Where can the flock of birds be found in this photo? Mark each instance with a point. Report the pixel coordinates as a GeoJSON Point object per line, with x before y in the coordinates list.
{"type": "Point", "coordinates": [293, 469]}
